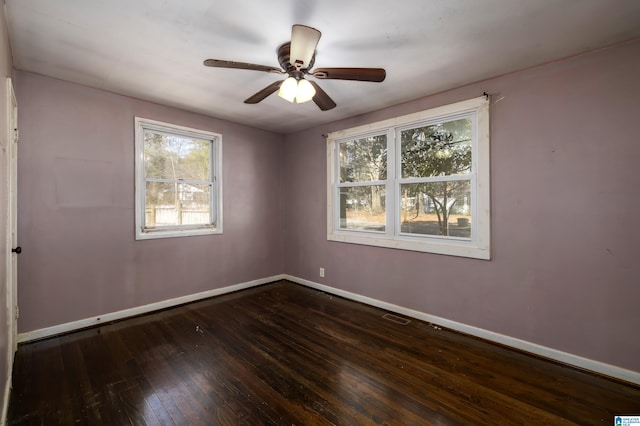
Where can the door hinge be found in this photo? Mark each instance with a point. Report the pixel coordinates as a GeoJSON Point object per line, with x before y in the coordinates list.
{"type": "Point", "coordinates": [17, 312]}
{"type": "Point", "coordinates": [16, 135]}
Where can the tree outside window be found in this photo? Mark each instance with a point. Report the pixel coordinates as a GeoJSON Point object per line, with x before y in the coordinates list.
{"type": "Point", "coordinates": [416, 182]}
{"type": "Point", "coordinates": [363, 173]}
{"type": "Point", "coordinates": [437, 160]}
{"type": "Point", "coordinates": [177, 186]}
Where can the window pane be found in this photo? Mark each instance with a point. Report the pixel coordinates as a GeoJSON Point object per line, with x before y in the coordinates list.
{"type": "Point", "coordinates": [363, 160]}
{"type": "Point", "coordinates": [437, 150]}
{"type": "Point", "coordinates": [436, 208]}
{"type": "Point", "coordinates": [176, 157]}
{"type": "Point", "coordinates": [363, 208]}
{"type": "Point", "coordinates": [170, 204]}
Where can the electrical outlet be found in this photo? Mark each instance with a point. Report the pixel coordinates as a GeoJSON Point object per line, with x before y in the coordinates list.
{"type": "Point", "coordinates": [321, 272]}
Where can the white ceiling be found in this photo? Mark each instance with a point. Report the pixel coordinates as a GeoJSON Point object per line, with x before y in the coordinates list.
{"type": "Point", "coordinates": [153, 50]}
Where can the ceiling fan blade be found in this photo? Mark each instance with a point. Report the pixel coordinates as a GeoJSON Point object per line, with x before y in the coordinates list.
{"type": "Point", "coordinates": [263, 93]}
{"type": "Point", "coordinates": [218, 63]}
{"type": "Point", "coordinates": [321, 98]}
{"type": "Point", "coordinates": [360, 74]}
{"type": "Point", "coordinates": [303, 45]}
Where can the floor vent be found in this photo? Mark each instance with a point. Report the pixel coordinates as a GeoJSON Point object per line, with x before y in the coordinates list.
{"type": "Point", "coordinates": [396, 319]}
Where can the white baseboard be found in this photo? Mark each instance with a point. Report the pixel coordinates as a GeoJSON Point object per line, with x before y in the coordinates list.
{"type": "Point", "coordinates": [126, 313]}
{"type": "Point", "coordinates": [543, 351]}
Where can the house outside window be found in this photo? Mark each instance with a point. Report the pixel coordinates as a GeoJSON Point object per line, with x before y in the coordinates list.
{"type": "Point", "coordinates": [178, 184]}
{"type": "Point", "coordinates": [417, 182]}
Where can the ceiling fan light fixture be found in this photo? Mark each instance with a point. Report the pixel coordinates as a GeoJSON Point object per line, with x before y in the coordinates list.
{"type": "Point", "coordinates": [306, 91]}
{"type": "Point", "coordinates": [296, 91]}
{"type": "Point", "coordinates": [289, 89]}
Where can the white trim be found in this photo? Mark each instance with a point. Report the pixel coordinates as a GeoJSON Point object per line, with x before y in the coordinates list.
{"type": "Point", "coordinates": [10, 277]}
{"type": "Point", "coordinates": [533, 348]}
{"type": "Point", "coordinates": [126, 313]}
{"type": "Point", "coordinates": [416, 117]}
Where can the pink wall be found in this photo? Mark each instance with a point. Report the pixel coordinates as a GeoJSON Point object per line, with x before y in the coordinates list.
{"type": "Point", "coordinates": [76, 208]}
{"type": "Point", "coordinates": [565, 271]}
{"type": "Point", "coordinates": [565, 268]}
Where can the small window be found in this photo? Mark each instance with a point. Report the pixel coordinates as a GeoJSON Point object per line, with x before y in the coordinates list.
{"type": "Point", "coordinates": [418, 182]}
{"type": "Point", "coordinates": [178, 185]}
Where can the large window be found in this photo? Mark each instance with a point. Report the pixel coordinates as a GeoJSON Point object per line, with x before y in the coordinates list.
{"type": "Point", "coordinates": [178, 187]}
{"type": "Point", "coordinates": [418, 182]}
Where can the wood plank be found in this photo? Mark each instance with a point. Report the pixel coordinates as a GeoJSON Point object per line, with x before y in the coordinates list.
{"type": "Point", "coordinates": [283, 354]}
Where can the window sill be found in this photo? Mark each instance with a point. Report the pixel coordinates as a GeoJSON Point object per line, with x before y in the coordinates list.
{"type": "Point", "coordinates": [175, 233]}
{"type": "Point", "coordinates": [461, 248]}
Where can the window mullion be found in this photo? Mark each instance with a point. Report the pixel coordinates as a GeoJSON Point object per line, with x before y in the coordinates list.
{"type": "Point", "coordinates": [187, 181]}
{"type": "Point", "coordinates": [449, 178]}
{"type": "Point", "coordinates": [363, 183]}
{"type": "Point", "coordinates": [213, 193]}
{"type": "Point", "coordinates": [336, 193]}
{"type": "Point", "coordinates": [391, 199]}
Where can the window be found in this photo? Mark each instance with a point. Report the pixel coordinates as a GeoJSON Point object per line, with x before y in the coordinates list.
{"type": "Point", "coordinates": [417, 182]}
{"type": "Point", "coordinates": [178, 184]}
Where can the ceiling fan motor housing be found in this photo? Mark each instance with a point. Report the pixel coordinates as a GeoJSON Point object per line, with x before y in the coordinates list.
{"type": "Point", "coordinates": [284, 59]}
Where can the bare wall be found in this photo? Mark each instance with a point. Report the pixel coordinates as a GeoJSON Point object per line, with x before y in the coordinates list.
{"type": "Point", "coordinates": [76, 208]}
{"type": "Point", "coordinates": [565, 271]}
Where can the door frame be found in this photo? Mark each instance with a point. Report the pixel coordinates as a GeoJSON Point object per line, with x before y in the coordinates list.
{"type": "Point", "coordinates": [12, 228]}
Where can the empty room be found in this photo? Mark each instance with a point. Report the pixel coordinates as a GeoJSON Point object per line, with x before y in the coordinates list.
{"type": "Point", "coordinates": [316, 212]}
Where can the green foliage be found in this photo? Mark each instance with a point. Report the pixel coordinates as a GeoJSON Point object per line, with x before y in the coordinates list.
{"type": "Point", "coordinates": [174, 158]}
{"type": "Point", "coordinates": [442, 149]}
{"type": "Point", "coordinates": [437, 150]}
{"type": "Point", "coordinates": [364, 159]}
{"type": "Point", "coordinates": [431, 151]}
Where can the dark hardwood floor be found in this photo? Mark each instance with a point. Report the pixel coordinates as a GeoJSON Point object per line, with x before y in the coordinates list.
{"type": "Point", "coordinates": [283, 354]}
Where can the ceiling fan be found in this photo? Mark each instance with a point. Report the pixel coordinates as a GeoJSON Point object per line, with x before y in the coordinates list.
{"type": "Point", "coordinates": [296, 59]}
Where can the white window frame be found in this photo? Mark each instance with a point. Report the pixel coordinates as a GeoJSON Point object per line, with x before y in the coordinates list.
{"type": "Point", "coordinates": [143, 233]}
{"type": "Point", "coordinates": [479, 245]}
